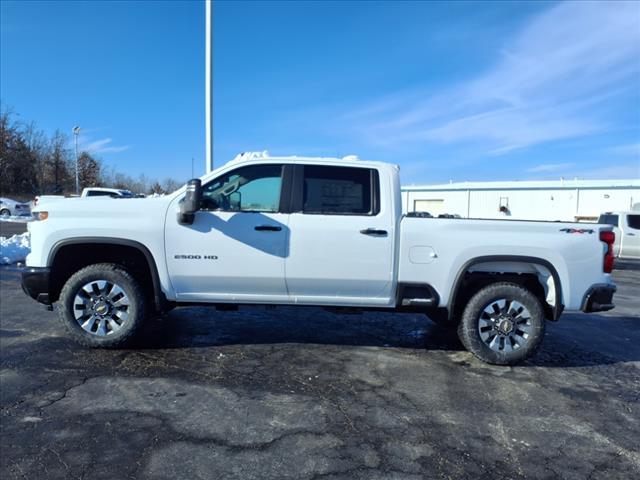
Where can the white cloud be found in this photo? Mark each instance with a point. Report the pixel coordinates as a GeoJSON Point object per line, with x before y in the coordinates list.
{"type": "Point", "coordinates": [617, 171]}
{"type": "Point", "coordinates": [549, 83]}
{"type": "Point", "coordinates": [550, 167]}
{"type": "Point", "coordinates": [631, 149]}
{"type": "Point", "coordinates": [104, 145]}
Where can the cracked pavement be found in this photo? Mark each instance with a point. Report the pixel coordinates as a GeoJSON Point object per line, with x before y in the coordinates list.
{"type": "Point", "coordinates": [305, 394]}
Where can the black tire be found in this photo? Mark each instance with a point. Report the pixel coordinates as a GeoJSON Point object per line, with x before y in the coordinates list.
{"type": "Point", "coordinates": [135, 308]}
{"type": "Point", "coordinates": [515, 347]}
{"type": "Point", "coordinates": [5, 212]}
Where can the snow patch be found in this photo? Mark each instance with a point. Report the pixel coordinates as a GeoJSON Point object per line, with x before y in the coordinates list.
{"type": "Point", "coordinates": [250, 156]}
{"type": "Point", "coordinates": [14, 249]}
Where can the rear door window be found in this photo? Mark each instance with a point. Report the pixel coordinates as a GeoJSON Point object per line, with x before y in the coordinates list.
{"type": "Point", "coordinates": [101, 193]}
{"type": "Point", "coordinates": [633, 221]}
{"type": "Point", "coordinates": [330, 190]}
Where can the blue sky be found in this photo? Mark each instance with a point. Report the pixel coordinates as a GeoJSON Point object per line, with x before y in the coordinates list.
{"type": "Point", "coordinates": [450, 91]}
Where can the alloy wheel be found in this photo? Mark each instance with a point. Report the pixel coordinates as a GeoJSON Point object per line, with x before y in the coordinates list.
{"type": "Point", "coordinates": [505, 325]}
{"type": "Point", "coordinates": [101, 307]}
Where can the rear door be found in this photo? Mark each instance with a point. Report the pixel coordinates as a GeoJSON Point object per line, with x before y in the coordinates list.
{"type": "Point", "coordinates": [341, 237]}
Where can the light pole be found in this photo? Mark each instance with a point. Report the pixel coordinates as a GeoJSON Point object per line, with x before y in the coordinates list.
{"type": "Point", "coordinates": [76, 132]}
{"type": "Point", "coordinates": [208, 92]}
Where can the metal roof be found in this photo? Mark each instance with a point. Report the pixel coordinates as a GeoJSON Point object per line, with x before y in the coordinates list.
{"type": "Point", "coordinates": [528, 185]}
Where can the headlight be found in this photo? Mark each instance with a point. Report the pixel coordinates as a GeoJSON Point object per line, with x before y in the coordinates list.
{"type": "Point", "coordinates": [40, 215]}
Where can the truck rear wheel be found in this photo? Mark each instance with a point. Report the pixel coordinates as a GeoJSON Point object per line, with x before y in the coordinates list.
{"type": "Point", "coordinates": [102, 306]}
{"type": "Point", "coordinates": [502, 324]}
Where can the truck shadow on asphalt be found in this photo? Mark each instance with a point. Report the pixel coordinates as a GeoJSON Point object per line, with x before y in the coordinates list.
{"type": "Point", "coordinates": [573, 342]}
{"type": "Point", "coordinates": [206, 327]}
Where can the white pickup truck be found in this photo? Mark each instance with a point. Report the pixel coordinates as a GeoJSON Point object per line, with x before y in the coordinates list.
{"type": "Point", "coordinates": [626, 226]}
{"type": "Point", "coordinates": [311, 231]}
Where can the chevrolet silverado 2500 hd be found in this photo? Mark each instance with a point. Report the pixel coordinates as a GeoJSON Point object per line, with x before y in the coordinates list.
{"type": "Point", "coordinates": [311, 231]}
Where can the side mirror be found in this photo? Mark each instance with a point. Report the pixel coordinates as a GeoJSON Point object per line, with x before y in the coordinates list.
{"type": "Point", "coordinates": [191, 203]}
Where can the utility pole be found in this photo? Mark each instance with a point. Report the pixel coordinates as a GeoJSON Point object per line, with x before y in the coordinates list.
{"type": "Point", "coordinates": [208, 85]}
{"type": "Point", "coordinates": [76, 132]}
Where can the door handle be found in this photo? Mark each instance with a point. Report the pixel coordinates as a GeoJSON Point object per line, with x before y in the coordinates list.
{"type": "Point", "coordinates": [374, 232]}
{"type": "Point", "coordinates": [267, 228]}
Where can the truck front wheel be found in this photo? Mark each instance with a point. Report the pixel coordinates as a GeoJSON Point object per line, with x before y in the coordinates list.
{"type": "Point", "coordinates": [102, 306]}
{"type": "Point", "coordinates": [502, 324]}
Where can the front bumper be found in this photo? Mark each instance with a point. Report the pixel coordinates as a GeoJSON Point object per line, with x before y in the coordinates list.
{"type": "Point", "coordinates": [599, 298]}
{"type": "Point", "coordinates": [35, 283]}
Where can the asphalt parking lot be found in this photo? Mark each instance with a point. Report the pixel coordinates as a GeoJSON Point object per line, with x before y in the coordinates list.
{"type": "Point", "coordinates": [8, 229]}
{"type": "Point", "coordinates": [305, 394]}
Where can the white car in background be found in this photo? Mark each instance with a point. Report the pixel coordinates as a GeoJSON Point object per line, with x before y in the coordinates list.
{"type": "Point", "coordinates": [106, 192]}
{"type": "Point", "coordinates": [10, 207]}
{"type": "Point", "coordinates": [626, 226]}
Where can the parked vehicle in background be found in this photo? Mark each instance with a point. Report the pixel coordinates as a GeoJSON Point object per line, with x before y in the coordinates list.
{"type": "Point", "coordinates": [107, 192]}
{"type": "Point", "coordinates": [312, 231]}
{"type": "Point", "coordinates": [626, 226]}
{"type": "Point", "coordinates": [39, 199]}
{"type": "Point", "coordinates": [9, 207]}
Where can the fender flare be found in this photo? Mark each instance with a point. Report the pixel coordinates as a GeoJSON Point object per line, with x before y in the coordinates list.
{"type": "Point", "coordinates": [158, 295]}
{"type": "Point", "coordinates": [557, 308]}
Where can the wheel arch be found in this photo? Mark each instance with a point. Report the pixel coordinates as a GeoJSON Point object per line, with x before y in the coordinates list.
{"type": "Point", "coordinates": [82, 244]}
{"type": "Point", "coordinates": [554, 311]}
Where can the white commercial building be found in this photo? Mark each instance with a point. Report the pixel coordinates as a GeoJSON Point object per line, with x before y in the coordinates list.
{"type": "Point", "coordinates": [566, 200]}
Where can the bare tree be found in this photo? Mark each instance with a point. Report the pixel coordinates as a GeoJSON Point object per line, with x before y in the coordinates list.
{"type": "Point", "coordinates": [57, 165]}
{"type": "Point", "coordinates": [17, 161]}
{"type": "Point", "coordinates": [88, 170]}
{"type": "Point", "coordinates": [31, 163]}
{"type": "Point", "coordinates": [157, 188]}
{"type": "Point", "coordinates": [170, 185]}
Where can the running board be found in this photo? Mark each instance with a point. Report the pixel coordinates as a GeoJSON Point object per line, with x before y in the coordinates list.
{"type": "Point", "coordinates": [418, 302]}
{"type": "Point", "coordinates": [417, 295]}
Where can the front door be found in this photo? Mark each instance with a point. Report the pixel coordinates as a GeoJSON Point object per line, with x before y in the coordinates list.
{"type": "Point", "coordinates": [236, 247]}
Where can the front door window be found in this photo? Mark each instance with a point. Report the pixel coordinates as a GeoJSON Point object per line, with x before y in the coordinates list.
{"type": "Point", "coordinates": [248, 189]}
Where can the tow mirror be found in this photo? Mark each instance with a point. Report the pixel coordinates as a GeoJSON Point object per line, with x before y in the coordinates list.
{"type": "Point", "coordinates": [191, 202]}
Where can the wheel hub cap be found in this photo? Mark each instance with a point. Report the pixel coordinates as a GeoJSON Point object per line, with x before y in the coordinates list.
{"type": "Point", "coordinates": [505, 325]}
{"type": "Point", "coordinates": [101, 307]}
